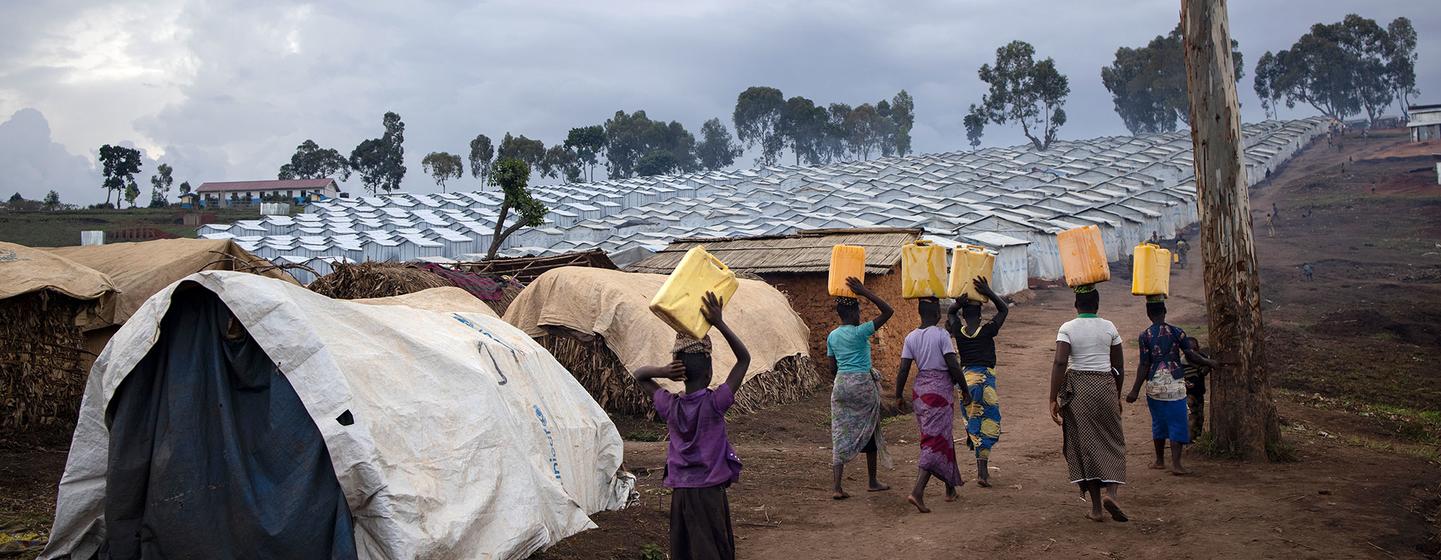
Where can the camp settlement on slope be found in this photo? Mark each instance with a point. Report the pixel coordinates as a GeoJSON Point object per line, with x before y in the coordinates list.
{"type": "Point", "coordinates": [466, 439]}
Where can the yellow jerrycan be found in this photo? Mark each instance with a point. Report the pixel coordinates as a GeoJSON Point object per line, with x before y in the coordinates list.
{"type": "Point", "coordinates": [846, 261]}
{"type": "Point", "coordinates": [678, 301]}
{"type": "Point", "coordinates": [968, 262]}
{"type": "Point", "coordinates": [1083, 256]}
{"type": "Point", "coordinates": [923, 270]}
{"type": "Point", "coordinates": [1150, 271]}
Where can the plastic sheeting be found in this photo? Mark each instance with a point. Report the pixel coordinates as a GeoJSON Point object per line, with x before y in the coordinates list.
{"type": "Point", "coordinates": [451, 434]}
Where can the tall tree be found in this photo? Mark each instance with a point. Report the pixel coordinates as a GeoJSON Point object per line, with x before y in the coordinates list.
{"type": "Point", "coordinates": [1025, 91]}
{"type": "Point", "coordinates": [885, 128]}
{"type": "Point", "coordinates": [716, 149]}
{"type": "Point", "coordinates": [481, 154]}
{"type": "Point", "coordinates": [863, 131]}
{"type": "Point", "coordinates": [1148, 84]}
{"type": "Point", "coordinates": [513, 176]}
{"type": "Point", "coordinates": [1342, 68]}
{"type": "Point", "coordinates": [521, 148]}
{"type": "Point", "coordinates": [629, 138]}
{"type": "Point", "coordinates": [119, 165]}
{"type": "Point", "coordinates": [185, 188]}
{"type": "Point", "coordinates": [834, 143]}
{"type": "Point", "coordinates": [52, 200]}
{"type": "Point", "coordinates": [1401, 61]}
{"type": "Point", "coordinates": [1265, 83]}
{"type": "Point", "coordinates": [310, 161]}
{"type": "Point", "coordinates": [160, 186]}
{"type": "Point", "coordinates": [975, 123]}
{"type": "Point", "coordinates": [588, 143]}
{"type": "Point", "coordinates": [757, 120]}
{"type": "Point", "coordinates": [802, 125]}
{"type": "Point", "coordinates": [903, 114]}
{"type": "Point", "coordinates": [1243, 417]}
{"type": "Point", "coordinates": [132, 192]}
{"type": "Point", "coordinates": [560, 161]}
{"type": "Point", "coordinates": [381, 161]}
{"type": "Point", "coordinates": [443, 166]}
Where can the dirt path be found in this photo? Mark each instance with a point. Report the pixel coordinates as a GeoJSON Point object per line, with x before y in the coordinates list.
{"type": "Point", "coordinates": [1338, 501]}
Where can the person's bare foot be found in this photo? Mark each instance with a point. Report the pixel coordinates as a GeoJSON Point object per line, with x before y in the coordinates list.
{"type": "Point", "coordinates": [983, 482]}
{"type": "Point", "coordinates": [1094, 516]}
{"type": "Point", "coordinates": [840, 495]}
{"type": "Point", "coordinates": [1158, 466]}
{"type": "Point", "coordinates": [1180, 470]}
{"type": "Point", "coordinates": [878, 487]}
{"type": "Point", "coordinates": [919, 503]}
{"type": "Point", "coordinates": [1114, 509]}
{"type": "Point", "coordinates": [951, 494]}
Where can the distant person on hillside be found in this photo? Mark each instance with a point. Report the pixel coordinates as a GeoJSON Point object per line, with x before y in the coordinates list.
{"type": "Point", "coordinates": [856, 393]}
{"type": "Point", "coordinates": [1307, 272]}
{"type": "Point", "coordinates": [976, 351]}
{"type": "Point", "coordinates": [1270, 225]}
{"type": "Point", "coordinates": [1181, 249]}
{"type": "Point", "coordinates": [1160, 369]}
{"type": "Point", "coordinates": [933, 400]}
{"type": "Point", "coordinates": [1085, 401]}
{"type": "Point", "coordinates": [1275, 212]}
{"type": "Point", "coordinates": [700, 462]}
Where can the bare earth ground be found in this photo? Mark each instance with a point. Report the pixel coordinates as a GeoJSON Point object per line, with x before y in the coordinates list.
{"type": "Point", "coordinates": [1367, 483]}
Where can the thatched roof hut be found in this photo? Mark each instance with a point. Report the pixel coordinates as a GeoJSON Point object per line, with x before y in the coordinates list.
{"type": "Point", "coordinates": [375, 280]}
{"type": "Point", "coordinates": [44, 300]}
{"type": "Point", "coordinates": [798, 265]}
{"type": "Point", "coordinates": [599, 325]}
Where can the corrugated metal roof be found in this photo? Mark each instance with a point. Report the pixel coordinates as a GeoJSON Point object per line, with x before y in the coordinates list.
{"type": "Point", "coordinates": [806, 251]}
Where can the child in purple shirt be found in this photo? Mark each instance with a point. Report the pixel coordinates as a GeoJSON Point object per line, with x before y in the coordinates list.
{"type": "Point", "coordinates": [700, 462]}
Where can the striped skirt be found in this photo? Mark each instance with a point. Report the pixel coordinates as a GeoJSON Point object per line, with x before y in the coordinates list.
{"type": "Point", "coordinates": [1094, 445]}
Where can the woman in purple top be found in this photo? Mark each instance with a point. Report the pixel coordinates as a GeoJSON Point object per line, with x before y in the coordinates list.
{"type": "Point", "coordinates": [933, 399]}
{"type": "Point", "coordinates": [700, 462]}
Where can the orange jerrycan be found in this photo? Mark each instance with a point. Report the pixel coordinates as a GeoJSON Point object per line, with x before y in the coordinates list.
{"type": "Point", "coordinates": [846, 261]}
{"type": "Point", "coordinates": [1083, 256]}
{"type": "Point", "coordinates": [678, 301]}
{"type": "Point", "coordinates": [923, 270]}
{"type": "Point", "coordinates": [1150, 271]}
{"type": "Point", "coordinates": [968, 262]}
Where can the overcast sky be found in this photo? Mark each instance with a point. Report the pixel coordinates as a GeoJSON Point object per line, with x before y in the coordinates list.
{"type": "Point", "coordinates": [225, 90]}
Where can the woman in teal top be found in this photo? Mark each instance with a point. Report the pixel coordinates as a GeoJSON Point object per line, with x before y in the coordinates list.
{"type": "Point", "coordinates": [856, 395]}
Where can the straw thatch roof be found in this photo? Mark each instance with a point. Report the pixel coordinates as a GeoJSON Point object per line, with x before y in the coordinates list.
{"type": "Point", "coordinates": [375, 280]}
{"type": "Point", "coordinates": [526, 269]}
{"type": "Point", "coordinates": [806, 251]}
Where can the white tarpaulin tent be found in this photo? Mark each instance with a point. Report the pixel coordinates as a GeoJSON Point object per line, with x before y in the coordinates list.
{"type": "Point", "coordinates": [468, 439]}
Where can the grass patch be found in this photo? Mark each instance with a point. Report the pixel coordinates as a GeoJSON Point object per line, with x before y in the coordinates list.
{"type": "Point", "coordinates": [62, 227]}
{"type": "Point", "coordinates": [1206, 445]}
{"type": "Point", "coordinates": [652, 551]}
{"type": "Point", "coordinates": [1421, 427]}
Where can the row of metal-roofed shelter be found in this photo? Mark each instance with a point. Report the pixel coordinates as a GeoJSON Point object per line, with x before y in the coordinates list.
{"type": "Point", "coordinates": [1129, 186]}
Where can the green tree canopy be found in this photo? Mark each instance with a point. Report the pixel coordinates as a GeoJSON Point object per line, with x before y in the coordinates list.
{"type": "Point", "coordinates": [560, 161]}
{"type": "Point", "coordinates": [975, 123]}
{"type": "Point", "coordinates": [1028, 92]}
{"type": "Point", "coordinates": [481, 154]}
{"type": "Point", "coordinates": [443, 166]}
{"type": "Point", "coordinates": [513, 176]}
{"type": "Point", "coordinates": [521, 148]}
{"type": "Point", "coordinates": [1343, 68]}
{"type": "Point", "coordinates": [716, 149]}
{"type": "Point", "coordinates": [1148, 84]}
{"type": "Point", "coordinates": [588, 143]}
{"type": "Point", "coordinates": [52, 200]}
{"type": "Point", "coordinates": [160, 186]}
{"type": "Point", "coordinates": [757, 119]}
{"type": "Point", "coordinates": [310, 161]}
{"type": "Point", "coordinates": [903, 114]}
{"type": "Point", "coordinates": [118, 165]}
{"type": "Point", "coordinates": [381, 161]}
{"type": "Point", "coordinates": [629, 137]}
{"type": "Point", "coordinates": [803, 126]}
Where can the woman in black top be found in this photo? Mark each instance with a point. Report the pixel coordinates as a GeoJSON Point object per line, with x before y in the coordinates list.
{"type": "Point", "coordinates": [976, 349]}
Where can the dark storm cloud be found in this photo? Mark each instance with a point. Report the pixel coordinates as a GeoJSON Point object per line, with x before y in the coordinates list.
{"type": "Point", "coordinates": [226, 90]}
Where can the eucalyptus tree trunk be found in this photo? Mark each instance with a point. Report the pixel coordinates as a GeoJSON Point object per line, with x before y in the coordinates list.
{"type": "Point", "coordinates": [1243, 416]}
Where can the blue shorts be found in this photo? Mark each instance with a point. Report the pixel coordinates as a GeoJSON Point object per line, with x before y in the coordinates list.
{"type": "Point", "coordinates": [1168, 420]}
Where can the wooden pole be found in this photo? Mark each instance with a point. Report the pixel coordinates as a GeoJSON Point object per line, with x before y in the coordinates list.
{"type": "Point", "coordinates": [1243, 417]}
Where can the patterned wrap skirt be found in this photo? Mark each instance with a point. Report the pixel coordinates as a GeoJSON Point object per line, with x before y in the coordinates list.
{"type": "Point", "coordinates": [856, 418]}
{"type": "Point", "coordinates": [983, 416]}
{"type": "Point", "coordinates": [934, 400]}
{"type": "Point", "coordinates": [1094, 445]}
